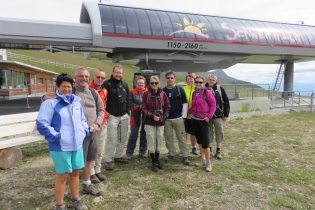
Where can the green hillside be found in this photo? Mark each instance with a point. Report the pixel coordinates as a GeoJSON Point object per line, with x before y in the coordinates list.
{"type": "Point", "coordinates": [76, 59]}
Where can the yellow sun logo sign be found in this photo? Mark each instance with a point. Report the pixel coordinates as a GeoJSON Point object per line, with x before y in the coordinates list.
{"type": "Point", "coordinates": [191, 28]}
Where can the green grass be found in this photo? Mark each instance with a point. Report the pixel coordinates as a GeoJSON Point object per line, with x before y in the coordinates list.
{"type": "Point", "coordinates": [268, 163]}
{"type": "Point", "coordinates": [76, 59]}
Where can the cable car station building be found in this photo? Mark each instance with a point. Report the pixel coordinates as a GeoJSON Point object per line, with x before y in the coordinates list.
{"type": "Point", "coordinates": [163, 40]}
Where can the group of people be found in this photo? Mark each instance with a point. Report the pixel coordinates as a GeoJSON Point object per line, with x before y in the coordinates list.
{"type": "Point", "coordinates": [87, 122]}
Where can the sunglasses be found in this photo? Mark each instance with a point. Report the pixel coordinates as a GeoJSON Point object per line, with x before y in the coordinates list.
{"type": "Point", "coordinates": [154, 83]}
{"type": "Point", "coordinates": [99, 77]}
{"type": "Point", "coordinates": [169, 77]}
{"type": "Point", "coordinates": [197, 82]}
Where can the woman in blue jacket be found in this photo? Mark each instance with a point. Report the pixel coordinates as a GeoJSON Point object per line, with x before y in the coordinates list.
{"type": "Point", "coordinates": [64, 126]}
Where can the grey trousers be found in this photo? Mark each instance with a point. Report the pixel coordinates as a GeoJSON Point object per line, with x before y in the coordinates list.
{"type": "Point", "coordinates": [116, 136]}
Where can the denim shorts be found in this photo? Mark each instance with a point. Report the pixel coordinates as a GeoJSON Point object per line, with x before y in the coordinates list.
{"type": "Point", "coordinates": [66, 162]}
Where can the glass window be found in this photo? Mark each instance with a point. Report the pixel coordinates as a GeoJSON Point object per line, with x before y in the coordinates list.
{"type": "Point", "coordinates": [188, 26]}
{"type": "Point", "coordinates": [281, 33]}
{"type": "Point", "coordinates": [106, 19]}
{"type": "Point", "coordinates": [177, 25]}
{"type": "Point", "coordinates": [119, 20]}
{"type": "Point", "coordinates": [166, 24]}
{"type": "Point", "coordinates": [2, 79]}
{"type": "Point", "coordinates": [39, 80]}
{"type": "Point", "coordinates": [233, 29]}
{"type": "Point", "coordinates": [286, 35]}
{"type": "Point", "coordinates": [132, 21]}
{"type": "Point", "coordinates": [216, 26]}
{"type": "Point", "coordinates": [310, 31]}
{"type": "Point", "coordinates": [155, 23]}
{"type": "Point", "coordinates": [298, 35]}
{"type": "Point", "coordinates": [247, 29]}
{"type": "Point", "coordinates": [9, 79]}
{"type": "Point", "coordinates": [205, 27]}
{"type": "Point", "coordinates": [14, 82]}
{"type": "Point", "coordinates": [264, 34]}
{"type": "Point", "coordinates": [255, 32]}
{"type": "Point", "coordinates": [274, 34]}
{"type": "Point", "coordinates": [145, 28]}
{"type": "Point", "coordinates": [242, 30]}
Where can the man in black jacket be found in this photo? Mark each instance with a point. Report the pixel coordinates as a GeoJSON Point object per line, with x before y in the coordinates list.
{"type": "Point", "coordinates": [117, 124]}
{"type": "Point", "coordinates": [221, 114]}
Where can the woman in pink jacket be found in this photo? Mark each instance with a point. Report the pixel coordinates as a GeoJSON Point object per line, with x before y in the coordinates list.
{"type": "Point", "coordinates": [202, 110]}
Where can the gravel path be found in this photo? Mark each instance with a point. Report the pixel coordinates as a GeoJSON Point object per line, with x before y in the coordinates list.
{"type": "Point", "coordinates": [235, 115]}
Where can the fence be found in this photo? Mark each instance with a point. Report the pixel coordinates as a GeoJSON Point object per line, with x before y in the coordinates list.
{"type": "Point", "coordinates": [46, 61]}
{"type": "Point", "coordinates": [246, 91]}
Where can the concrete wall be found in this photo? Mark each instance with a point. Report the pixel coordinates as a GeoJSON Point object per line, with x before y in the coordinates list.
{"type": "Point", "coordinates": [257, 104]}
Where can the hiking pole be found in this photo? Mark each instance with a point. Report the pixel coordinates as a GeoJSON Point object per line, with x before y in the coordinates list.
{"type": "Point", "coordinates": [140, 136]}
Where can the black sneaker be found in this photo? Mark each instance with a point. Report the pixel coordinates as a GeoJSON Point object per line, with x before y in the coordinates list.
{"type": "Point", "coordinates": [194, 151]}
{"type": "Point", "coordinates": [186, 161]}
{"type": "Point", "coordinates": [121, 160]}
{"type": "Point", "coordinates": [101, 177]}
{"type": "Point", "coordinates": [159, 165]}
{"type": "Point", "coordinates": [169, 159]}
{"type": "Point", "coordinates": [94, 179]}
{"type": "Point", "coordinates": [109, 166]}
{"type": "Point", "coordinates": [218, 155]}
{"type": "Point", "coordinates": [154, 167]}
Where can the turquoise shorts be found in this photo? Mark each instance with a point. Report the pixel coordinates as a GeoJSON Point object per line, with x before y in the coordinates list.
{"type": "Point", "coordinates": [66, 162]}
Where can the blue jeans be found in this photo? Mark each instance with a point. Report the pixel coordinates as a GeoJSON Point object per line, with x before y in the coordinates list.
{"type": "Point", "coordinates": [134, 131]}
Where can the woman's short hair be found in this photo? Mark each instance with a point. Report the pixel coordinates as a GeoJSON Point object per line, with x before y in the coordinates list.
{"type": "Point", "coordinates": [192, 75]}
{"type": "Point", "coordinates": [140, 77]}
{"type": "Point", "coordinates": [200, 77]}
{"type": "Point", "coordinates": [156, 78]}
{"type": "Point", "coordinates": [64, 77]}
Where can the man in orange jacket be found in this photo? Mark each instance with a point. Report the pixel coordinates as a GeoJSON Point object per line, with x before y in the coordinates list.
{"type": "Point", "coordinates": [98, 79]}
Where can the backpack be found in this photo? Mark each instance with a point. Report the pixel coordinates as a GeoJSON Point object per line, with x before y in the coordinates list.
{"type": "Point", "coordinates": [179, 93]}
{"type": "Point", "coordinates": [161, 97]}
{"type": "Point", "coordinates": [94, 93]}
{"type": "Point", "coordinates": [218, 109]}
{"type": "Point", "coordinates": [204, 96]}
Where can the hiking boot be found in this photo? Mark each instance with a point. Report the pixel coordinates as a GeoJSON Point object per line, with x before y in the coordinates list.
{"type": "Point", "coordinates": [128, 158]}
{"type": "Point", "coordinates": [94, 179]}
{"type": "Point", "coordinates": [101, 177]}
{"type": "Point", "coordinates": [202, 162]}
{"type": "Point", "coordinates": [208, 167]}
{"type": "Point", "coordinates": [121, 160]}
{"type": "Point", "coordinates": [144, 155]}
{"type": "Point", "coordinates": [159, 165]}
{"type": "Point", "coordinates": [91, 190]}
{"type": "Point", "coordinates": [186, 161]}
{"type": "Point", "coordinates": [109, 166]}
{"type": "Point", "coordinates": [78, 204]}
{"type": "Point", "coordinates": [218, 155]}
{"type": "Point", "coordinates": [154, 167]}
{"type": "Point", "coordinates": [61, 207]}
{"type": "Point", "coordinates": [194, 151]}
{"type": "Point", "coordinates": [169, 159]}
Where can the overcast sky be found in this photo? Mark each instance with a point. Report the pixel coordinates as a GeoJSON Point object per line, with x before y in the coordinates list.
{"type": "Point", "coordinates": [289, 11]}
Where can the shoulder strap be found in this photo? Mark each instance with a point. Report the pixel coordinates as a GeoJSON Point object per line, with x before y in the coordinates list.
{"type": "Point", "coordinates": [94, 93]}
{"type": "Point", "coordinates": [219, 90]}
{"type": "Point", "coordinates": [206, 97]}
{"type": "Point", "coordinates": [179, 93]}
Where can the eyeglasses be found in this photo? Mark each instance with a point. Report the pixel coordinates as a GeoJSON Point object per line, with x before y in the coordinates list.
{"type": "Point", "coordinates": [154, 83]}
{"type": "Point", "coordinates": [81, 76]}
{"type": "Point", "coordinates": [169, 77]}
{"type": "Point", "coordinates": [99, 77]}
{"type": "Point", "coordinates": [197, 82]}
